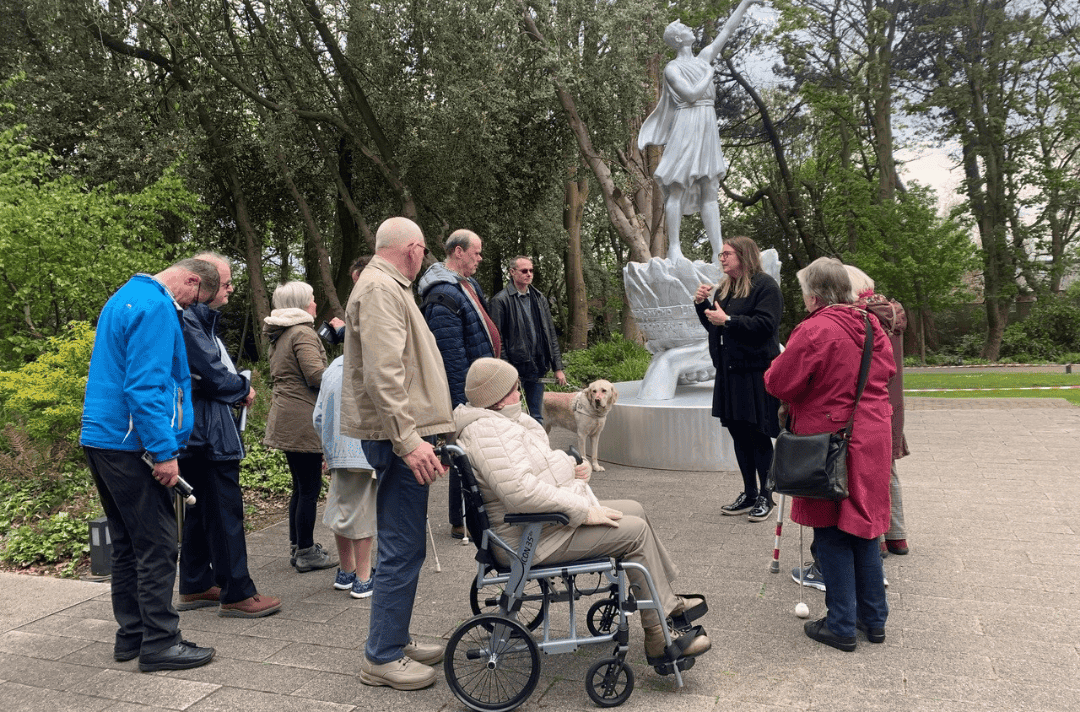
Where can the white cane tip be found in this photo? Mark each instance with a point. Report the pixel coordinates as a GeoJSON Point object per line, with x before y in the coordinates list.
{"type": "Point", "coordinates": [802, 610]}
{"type": "Point", "coordinates": [190, 500]}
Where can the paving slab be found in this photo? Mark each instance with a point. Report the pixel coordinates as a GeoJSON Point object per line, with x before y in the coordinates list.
{"type": "Point", "coordinates": [983, 612]}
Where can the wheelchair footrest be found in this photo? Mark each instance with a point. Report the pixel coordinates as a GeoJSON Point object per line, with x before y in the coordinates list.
{"type": "Point", "coordinates": [684, 620]}
{"type": "Point", "coordinates": [673, 655]}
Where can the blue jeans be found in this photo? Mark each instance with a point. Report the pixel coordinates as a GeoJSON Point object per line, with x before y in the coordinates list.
{"type": "Point", "coordinates": [534, 398]}
{"type": "Point", "coordinates": [401, 508]}
{"type": "Point", "coordinates": [854, 581]}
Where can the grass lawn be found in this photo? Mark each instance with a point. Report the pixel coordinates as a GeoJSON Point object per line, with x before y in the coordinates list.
{"type": "Point", "coordinates": [993, 385]}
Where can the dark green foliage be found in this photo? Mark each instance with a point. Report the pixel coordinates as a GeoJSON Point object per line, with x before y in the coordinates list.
{"type": "Point", "coordinates": [1048, 333]}
{"type": "Point", "coordinates": [615, 360]}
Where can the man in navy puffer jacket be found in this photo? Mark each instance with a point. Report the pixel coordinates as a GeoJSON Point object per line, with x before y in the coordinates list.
{"type": "Point", "coordinates": [456, 311]}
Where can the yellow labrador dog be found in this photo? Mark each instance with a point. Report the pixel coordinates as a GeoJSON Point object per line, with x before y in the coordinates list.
{"type": "Point", "coordinates": [584, 413]}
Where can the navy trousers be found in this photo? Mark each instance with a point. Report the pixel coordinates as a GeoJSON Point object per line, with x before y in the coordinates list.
{"type": "Point", "coordinates": [214, 550]}
{"type": "Point", "coordinates": [142, 525]}
{"type": "Point", "coordinates": [854, 580]}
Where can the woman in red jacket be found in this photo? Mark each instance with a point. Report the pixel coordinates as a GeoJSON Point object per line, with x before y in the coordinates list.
{"type": "Point", "coordinates": [816, 376]}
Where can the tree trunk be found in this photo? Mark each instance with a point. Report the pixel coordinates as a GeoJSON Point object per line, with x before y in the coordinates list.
{"type": "Point", "coordinates": [577, 192]}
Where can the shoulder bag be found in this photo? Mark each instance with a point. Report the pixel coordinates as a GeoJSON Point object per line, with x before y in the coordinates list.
{"type": "Point", "coordinates": [815, 466]}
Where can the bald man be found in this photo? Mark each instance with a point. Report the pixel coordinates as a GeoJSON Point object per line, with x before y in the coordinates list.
{"type": "Point", "coordinates": [395, 399]}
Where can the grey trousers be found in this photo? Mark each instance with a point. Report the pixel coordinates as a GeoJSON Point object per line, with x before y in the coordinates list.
{"type": "Point", "coordinates": [633, 540]}
{"type": "Point", "coordinates": [897, 530]}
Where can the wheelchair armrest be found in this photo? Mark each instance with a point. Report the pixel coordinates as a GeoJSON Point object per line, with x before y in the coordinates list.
{"type": "Point", "coordinates": [542, 517]}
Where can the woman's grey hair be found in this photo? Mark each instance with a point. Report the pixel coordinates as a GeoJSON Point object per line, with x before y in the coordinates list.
{"type": "Point", "coordinates": [860, 282]}
{"type": "Point", "coordinates": [293, 295]}
{"type": "Point", "coordinates": [826, 279]}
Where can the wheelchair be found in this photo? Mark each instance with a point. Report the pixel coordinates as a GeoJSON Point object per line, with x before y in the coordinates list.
{"type": "Point", "coordinates": [492, 661]}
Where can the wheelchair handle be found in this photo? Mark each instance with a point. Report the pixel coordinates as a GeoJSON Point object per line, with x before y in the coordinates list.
{"type": "Point", "coordinates": [572, 451]}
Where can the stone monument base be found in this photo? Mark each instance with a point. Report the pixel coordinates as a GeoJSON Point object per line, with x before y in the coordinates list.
{"type": "Point", "coordinates": [676, 434]}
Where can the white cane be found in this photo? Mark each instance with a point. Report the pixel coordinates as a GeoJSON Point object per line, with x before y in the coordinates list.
{"type": "Point", "coordinates": [434, 549]}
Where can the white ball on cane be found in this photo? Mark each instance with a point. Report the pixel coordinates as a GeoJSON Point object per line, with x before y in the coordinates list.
{"type": "Point", "coordinates": [802, 610]}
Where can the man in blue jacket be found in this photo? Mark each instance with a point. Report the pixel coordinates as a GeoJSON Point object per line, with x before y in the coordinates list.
{"type": "Point", "coordinates": [137, 416]}
{"type": "Point", "coordinates": [456, 311]}
{"type": "Point", "coordinates": [213, 559]}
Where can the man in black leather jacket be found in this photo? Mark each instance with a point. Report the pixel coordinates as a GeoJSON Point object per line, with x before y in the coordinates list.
{"type": "Point", "coordinates": [213, 557]}
{"type": "Point", "coordinates": [523, 318]}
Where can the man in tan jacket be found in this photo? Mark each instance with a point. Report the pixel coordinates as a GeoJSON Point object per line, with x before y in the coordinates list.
{"type": "Point", "coordinates": [396, 400]}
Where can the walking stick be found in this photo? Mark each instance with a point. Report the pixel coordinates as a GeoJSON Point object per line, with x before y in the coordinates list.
{"type": "Point", "coordinates": [434, 549]}
{"type": "Point", "coordinates": [774, 565]}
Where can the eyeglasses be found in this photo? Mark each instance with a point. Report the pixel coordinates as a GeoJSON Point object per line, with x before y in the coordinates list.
{"type": "Point", "coordinates": [421, 245]}
{"type": "Point", "coordinates": [525, 270]}
{"type": "Point", "coordinates": [227, 285]}
{"type": "Point", "coordinates": [727, 253]}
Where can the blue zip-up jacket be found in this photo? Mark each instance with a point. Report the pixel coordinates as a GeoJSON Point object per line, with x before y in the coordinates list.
{"type": "Point", "coordinates": [461, 335]}
{"type": "Point", "coordinates": [138, 395]}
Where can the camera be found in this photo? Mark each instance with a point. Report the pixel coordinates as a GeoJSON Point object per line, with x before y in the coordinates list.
{"type": "Point", "coordinates": [329, 334]}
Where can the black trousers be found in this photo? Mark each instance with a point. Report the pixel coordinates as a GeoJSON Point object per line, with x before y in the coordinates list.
{"type": "Point", "coordinates": [214, 550]}
{"type": "Point", "coordinates": [142, 525]}
{"type": "Point", "coordinates": [306, 469]}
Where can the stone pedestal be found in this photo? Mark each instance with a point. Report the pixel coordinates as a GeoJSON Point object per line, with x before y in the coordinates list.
{"type": "Point", "coordinates": [672, 434]}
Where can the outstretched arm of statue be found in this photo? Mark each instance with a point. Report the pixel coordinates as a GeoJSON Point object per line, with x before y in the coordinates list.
{"type": "Point", "coordinates": [713, 49]}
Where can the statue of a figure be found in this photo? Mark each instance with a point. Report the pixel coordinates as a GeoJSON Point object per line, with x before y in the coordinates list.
{"type": "Point", "coordinates": [684, 121]}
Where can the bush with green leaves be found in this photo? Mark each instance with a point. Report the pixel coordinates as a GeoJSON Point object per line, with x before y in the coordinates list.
{"type": "Point", "coordinates": [45, 396]}
{"type": "Point", "coordinates": [264, 469]}
{"type": "Point", "coordinates": [615, 360]}
{"type": "Point", "coordinates": [1049, 332]}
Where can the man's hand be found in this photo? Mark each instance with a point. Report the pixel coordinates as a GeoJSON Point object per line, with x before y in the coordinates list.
{"type": "Point", "coordinates": [167, 473]}
{"type": "Point", "coordinates": [560, 378]}
{"type": "Point", "coordinates": [424, 465]}
{"type": "Point", "coordinates": [336, 323]}
{"type": "Point", "coordinates": [249, 400]}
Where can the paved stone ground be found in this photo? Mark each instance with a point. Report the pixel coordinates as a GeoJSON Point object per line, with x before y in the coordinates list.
{"type": "Point", "coordinates": [983, 611]}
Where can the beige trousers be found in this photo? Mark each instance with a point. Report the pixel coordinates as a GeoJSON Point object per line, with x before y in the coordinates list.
{"type": "Point", "coordinates": [633, 540]}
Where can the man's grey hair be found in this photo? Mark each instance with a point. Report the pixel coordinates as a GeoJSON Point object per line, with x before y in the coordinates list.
{"type": "Point", "coordinates": [205, 271]}
{"type": "Point", "coordinates": [514, 260]}
{"type": "Point", "coordinates": [293, 295]}
{"type": "Point", "coordinates": [826, 279]}
{"type": "Point", "coordinates": [210, 256]}
{"type": "Point", "coordinates": [459, 238]}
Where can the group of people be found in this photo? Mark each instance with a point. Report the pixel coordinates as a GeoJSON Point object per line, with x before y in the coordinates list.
{"type": "Point", "coordinates": [410, 374]}
{"type": "Point", "coordinates": [811, 386]}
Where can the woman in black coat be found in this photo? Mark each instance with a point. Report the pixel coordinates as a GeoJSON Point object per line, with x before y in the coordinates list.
{"type": "Point", "coordinates": [744, 337]}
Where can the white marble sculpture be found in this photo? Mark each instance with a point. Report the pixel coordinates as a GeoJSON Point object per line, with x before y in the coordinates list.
{"type": "Point", "coordinates": [661, 292]}
{"type": "Point", "coordinates": [684, 121]}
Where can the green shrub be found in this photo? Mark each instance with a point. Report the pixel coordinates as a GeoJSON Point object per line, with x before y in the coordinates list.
{"type": "Point", "coordinates": [264, 469]}
{"type": "Point", "coordinates": [1050, 331]}
{"type": "Point", "coordinates": [45, 397]}
{"type": "Point", "coordinates": [615, 360]}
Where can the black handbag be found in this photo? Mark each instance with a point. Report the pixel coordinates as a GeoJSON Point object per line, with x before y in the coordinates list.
{"type": "Point", "coordinates": [815, 466]}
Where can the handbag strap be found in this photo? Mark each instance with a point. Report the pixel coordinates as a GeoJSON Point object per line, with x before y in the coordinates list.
{"type": "Point", "coordinates": [864, 373]}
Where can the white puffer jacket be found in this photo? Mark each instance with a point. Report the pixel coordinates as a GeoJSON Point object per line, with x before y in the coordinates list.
{"type": "Point", "coordinates": [518, 472]}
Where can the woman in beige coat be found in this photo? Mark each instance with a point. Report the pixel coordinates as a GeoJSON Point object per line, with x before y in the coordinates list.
{"type": "Point", "coordinates": [297, 362]}
{"type": "Point", "coordinates": [517, 471]}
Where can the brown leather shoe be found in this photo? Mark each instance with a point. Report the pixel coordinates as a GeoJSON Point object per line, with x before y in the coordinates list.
{"type": "Point", "coordinates": [255, 607]}
{"type": "Point", "coordinates": [191, 601]}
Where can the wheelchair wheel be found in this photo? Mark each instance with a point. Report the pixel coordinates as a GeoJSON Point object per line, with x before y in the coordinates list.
{"type": "Point", "coordinates": [602, 615]}
{"type": "Point", "coordinates": [492, 664]}
{"type": "Point", "coordinates": [609, 682]}
{"type": "Point", "coordinates": [534, 601]}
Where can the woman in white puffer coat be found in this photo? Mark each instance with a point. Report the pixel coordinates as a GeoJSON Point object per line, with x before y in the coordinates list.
{"type": "Point", "coordinates": [517, 471]}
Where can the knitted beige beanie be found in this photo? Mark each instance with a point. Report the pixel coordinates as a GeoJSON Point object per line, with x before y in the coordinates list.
{"type": "Point", "coordinates": [489, 381]}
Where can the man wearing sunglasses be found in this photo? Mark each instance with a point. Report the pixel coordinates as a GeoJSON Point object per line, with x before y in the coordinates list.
{"type": "Point", "coordinates": [523, 318]}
